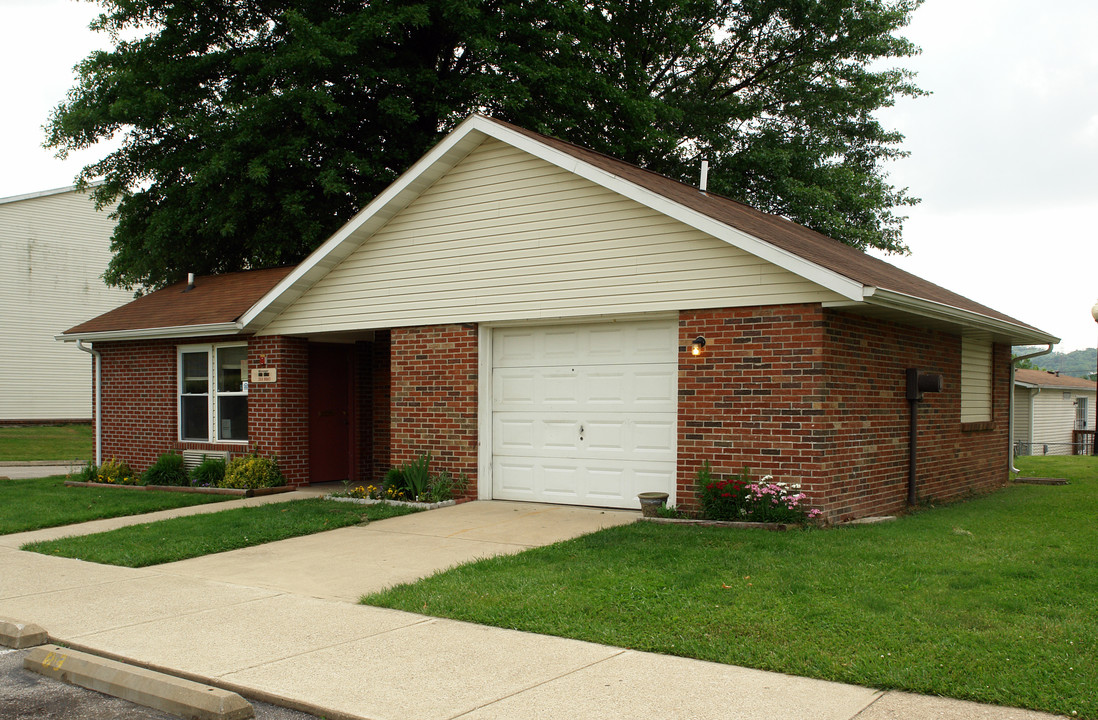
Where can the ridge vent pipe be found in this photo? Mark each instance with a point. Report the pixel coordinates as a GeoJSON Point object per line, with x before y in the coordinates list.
{"type": "Point", "coordinates": [704, 182]}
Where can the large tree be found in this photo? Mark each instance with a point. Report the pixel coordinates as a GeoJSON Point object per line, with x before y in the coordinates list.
{"type": "Point", "coordinates": [251, 129]}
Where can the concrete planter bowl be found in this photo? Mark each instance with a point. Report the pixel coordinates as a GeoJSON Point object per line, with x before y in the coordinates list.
{"type": "Point", "coordinates": [651, 502]}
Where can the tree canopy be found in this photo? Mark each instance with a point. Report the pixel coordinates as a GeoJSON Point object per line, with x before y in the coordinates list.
{"type": "Point", "coordinates": [252, 129]}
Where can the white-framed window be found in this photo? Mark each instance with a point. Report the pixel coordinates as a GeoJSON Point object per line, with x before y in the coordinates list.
{"type": "Point", "coordinates": [213, 393]}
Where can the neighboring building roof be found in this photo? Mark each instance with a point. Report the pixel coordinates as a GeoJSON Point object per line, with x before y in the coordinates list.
{"type": "Point", "coordinates": [212, 306]}
{"type": "Point", "coordinates": [43, 193]}
{"type": "Point", "coordinates": [1047, 378]}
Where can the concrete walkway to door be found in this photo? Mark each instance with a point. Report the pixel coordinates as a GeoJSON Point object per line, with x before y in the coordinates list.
{"type": "Point", "coordinates": [344, 564]}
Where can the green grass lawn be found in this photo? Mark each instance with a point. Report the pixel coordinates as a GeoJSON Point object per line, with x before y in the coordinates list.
{"type": "Point", "coordinates": [63, 443]}
{"type": "Point", "coordinates": [993, 600]}
{"type": "Point", "coordinates": [196, 535]}
{"type": "Point", "coordinates": [46, 502]}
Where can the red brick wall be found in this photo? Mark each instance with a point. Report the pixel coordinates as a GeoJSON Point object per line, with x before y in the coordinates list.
{"type": "Point", "coordinates": [749, 400]}
{"type": "Point", "coordinates": [818, 397]}
{"type": "Point", "coordinates": [865, 436]}
{"type": "Point", "coordinates": [140, 401]}
{"type": "Point", "coordinates": [278, 412]}
{"type": "Point", "coordinates": [372, 408]}
{"type": "Point", "coordinates": [434, 398]}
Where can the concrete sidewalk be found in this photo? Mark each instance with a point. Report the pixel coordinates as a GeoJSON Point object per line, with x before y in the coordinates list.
{"type": "Point", "coordinates": [277, 623]}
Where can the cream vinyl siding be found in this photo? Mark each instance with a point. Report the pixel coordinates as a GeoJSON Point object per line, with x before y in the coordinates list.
{"type": "Point", "coordinates": [1022, 422]}
{"type": "Point", "coordinates": [1054, 419]}
{"type": "Point", "coordinates": [505, 235]}
{"type": "Point", "coordinates": [975, 379]}
{"type": "Point", "coordinates": [53, 250]}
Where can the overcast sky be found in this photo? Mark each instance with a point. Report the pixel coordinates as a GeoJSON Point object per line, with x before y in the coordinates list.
{"type": "Point", "coordinates": [1004, 153]}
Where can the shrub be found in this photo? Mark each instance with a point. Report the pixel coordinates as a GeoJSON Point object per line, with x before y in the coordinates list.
{"type": "Point", "coordinates": [768, 501]}
{"type": "Point", "coordinates": [738, 498]}
{"type": "Point", "coordinates": [88, 473]}
{"type": "Point", "coordinates": [394, 479]}
{"type": "Point", "coordinates": [208, 473]}
{"type": "Point", "coordinates": [167, 470]}
{"type": "Point", "coordinates": [117, 472]}
{"type": "Point", "coordinates": [445, 486]}
{"type": "Point", "coordinates": [249, 472]}
{"type": "Point", "coordinates": [725, 499]}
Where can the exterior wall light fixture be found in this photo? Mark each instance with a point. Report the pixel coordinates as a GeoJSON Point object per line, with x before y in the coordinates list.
{"type": "Point", "coordinates": [697, 345]}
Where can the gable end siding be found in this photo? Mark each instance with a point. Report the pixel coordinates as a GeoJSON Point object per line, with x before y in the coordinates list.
{"type": "Point", "coordinates": [505, 235]}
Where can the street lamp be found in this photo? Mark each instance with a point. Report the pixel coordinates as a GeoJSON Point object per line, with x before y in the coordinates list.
{"type": "Point", "coordinates": [1094, 437]}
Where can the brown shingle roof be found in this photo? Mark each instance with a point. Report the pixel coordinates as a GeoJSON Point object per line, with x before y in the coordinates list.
{"type": "Point", "coordinates": [1046, 378]}
{"type": "Point", "coordinates": [778, 231]}
{"type": "Point", "coordinates": [213, 299]}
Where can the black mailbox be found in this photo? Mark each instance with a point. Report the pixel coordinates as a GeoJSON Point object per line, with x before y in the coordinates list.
{"type": "Point", "coordinates": [919, 382]}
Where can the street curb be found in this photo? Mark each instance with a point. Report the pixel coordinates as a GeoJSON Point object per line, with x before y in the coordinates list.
{"type": "Point", "coordinates": [144, 687]}
{"type": "Point", "coordinates": [15, 634]}
{"type": "Point", "coordinates": [245, 691]}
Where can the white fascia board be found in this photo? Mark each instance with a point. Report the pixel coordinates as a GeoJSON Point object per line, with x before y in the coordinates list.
{"type": "Point", "coordinates": [822, 276]}
{"type": "Point", "coordinates": [406, 188]}
{"type": "Point", "coordinates": [1018, 334]}
{"type": "Point", "coordinates": [181, 331]}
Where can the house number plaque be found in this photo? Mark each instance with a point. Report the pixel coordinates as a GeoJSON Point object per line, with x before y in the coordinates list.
{"type": "Point", "coordinates": [264, 375]}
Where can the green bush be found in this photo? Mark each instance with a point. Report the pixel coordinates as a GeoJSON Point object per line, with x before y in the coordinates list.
{"type": "Point", "coordinates": [88, 473]}
{"type": "Point", "coordinates": [252, 471]}
{"type": "Point", "coordinates": [208, 473]}
{"type": "Point", "coordinates": [117, 472]}
{"type": "Point", "coordinates": [167, 470]}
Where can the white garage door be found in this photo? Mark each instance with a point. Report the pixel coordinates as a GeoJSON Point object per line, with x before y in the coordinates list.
{"type": "Point", "coordinates": [584, 414]}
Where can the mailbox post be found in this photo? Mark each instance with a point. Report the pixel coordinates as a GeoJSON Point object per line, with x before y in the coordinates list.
{"type": "Point", "coordinates": [918, 382]}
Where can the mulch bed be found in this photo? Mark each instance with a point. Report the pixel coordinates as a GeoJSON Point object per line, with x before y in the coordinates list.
{"type": "Point", "coordinates": [255, 492]}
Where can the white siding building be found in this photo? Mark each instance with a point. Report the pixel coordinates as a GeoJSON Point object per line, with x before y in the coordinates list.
{"type": "Point", "coordinates": [1047, 409]}
{"type": "Point", "coordinates": [54, 247]}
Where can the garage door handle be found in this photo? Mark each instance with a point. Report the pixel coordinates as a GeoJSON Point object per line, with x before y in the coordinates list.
{"type": "Point", "coordinates": [581, 432]}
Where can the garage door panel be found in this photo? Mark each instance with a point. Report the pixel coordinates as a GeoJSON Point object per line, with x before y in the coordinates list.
{"type": "Point", "coordinates": [515, 480]}
{"type": "Point", "coordinates": [514, 435]}
{"type": "Point", "coordinates": [593, 344]}
{"type": "Point", "coordinates": [557, 436]}
{"type": "Point", "coordinates": [587, 482]}
{"type": "Point", "coordinates": [618, 389]}
{"type": "Point", "coordinates": [618, 382]}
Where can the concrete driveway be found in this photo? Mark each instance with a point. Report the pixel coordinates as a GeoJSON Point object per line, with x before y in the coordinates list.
{"type": "Point", "coordinates": [344, 564]}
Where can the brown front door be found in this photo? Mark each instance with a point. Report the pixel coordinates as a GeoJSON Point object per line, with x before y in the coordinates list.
{"type": "Point", "coordinates": [330, 425]}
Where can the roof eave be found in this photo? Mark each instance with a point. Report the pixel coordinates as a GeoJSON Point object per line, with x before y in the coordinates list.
{"type": "Point", "coordinates": [178, 331]}
{"type": "Point", "coordinates": [1014, 333]}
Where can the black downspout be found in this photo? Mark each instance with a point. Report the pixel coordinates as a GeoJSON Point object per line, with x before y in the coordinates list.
{"type": "Point", "coordinates": [913, 445]}
{"type": "Point", "coordinates": [918, 382]}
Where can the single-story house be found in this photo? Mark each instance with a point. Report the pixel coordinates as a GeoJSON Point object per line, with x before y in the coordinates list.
{"type": "Point", "coordinates": [1048, 410]}
{"type": "Point", "coordinates": [564, 327]}
{"type": "Point", "coordinates": [54, 247]}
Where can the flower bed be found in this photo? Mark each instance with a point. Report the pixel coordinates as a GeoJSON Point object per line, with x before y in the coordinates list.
{"type": "Point", "coordinates": [403, 503]}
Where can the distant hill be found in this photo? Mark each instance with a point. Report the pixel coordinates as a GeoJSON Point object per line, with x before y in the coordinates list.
{"type": "Point", "coordinates": [1077, 363]}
